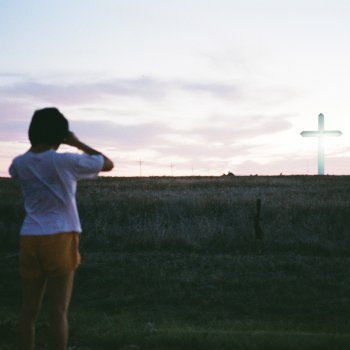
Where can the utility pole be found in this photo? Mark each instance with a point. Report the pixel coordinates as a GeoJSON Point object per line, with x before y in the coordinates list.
{"type": "Point", "coordinates": [140, 163]}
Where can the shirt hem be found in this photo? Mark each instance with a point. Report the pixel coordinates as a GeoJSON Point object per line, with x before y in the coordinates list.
{"type": "Point", "coordinates": [49, 234]}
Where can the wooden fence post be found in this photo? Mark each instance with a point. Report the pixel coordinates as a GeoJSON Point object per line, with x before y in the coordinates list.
{"type": "Point", "coordinates": [259, 234]}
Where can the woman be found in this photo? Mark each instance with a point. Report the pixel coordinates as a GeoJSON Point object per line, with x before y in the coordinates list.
{"type": "Point", "coordinates": [49, 237]}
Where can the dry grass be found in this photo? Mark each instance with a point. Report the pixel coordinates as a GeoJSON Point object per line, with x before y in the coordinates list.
{"type": "Point", "coordinates": [304, 214]}
{"type": "Point", "coordinates": [172, 263]}
{"type": "Point", "coordinates": [307, 215]}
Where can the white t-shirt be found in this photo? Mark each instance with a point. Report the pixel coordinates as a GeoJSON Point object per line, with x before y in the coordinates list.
{"type": "Point", "coordinates": [49, 182]}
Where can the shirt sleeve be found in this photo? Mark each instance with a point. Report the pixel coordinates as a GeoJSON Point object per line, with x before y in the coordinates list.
{"type": "Point", "coordinates": [85, 166]}
{"type": "Point", "coordinates": [13, 171]}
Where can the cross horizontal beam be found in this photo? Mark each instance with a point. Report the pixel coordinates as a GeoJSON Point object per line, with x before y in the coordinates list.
{"type": "Point", "coordinates": [321, 133]}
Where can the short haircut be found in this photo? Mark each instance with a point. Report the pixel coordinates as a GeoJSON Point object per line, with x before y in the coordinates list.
{"type": "Point", "coordinates": [48, 127]}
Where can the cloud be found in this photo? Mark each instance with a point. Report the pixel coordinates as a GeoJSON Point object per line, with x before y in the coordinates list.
{"type": "Point", "coordinates": [14, 120]}
{"type": "Point", "coordinates": [222, 139]}
{"type": "Point", "coordinates": [155, 131]}
{"type": "Point", "coordinates": [107, 133]}
{"type": "Point", "coordinates": [22, 96]}
{"type": "Point", "coordinates": [292, 164]}
{"type": "Point", "coordinates": [237, 131]}
{"type": "Point", "coordinates": [88, 91]}
{"type": "Point", "coordinates": [204, 152]}
{"type": "Point", "coordinates": [221, 90]}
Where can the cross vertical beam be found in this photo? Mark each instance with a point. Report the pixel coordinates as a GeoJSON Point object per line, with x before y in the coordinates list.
{"type": "Point", "coordinates": [320, 144]}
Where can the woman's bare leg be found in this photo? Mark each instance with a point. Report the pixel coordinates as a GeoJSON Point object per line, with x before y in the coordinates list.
{"type": "Point", "coordinates": [60, 292]}
{"type": "Point", "coordinates": [33, 291]}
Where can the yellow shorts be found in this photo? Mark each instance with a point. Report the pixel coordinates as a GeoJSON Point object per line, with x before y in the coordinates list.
{"type": "Point", "coordinates": [49, 255]}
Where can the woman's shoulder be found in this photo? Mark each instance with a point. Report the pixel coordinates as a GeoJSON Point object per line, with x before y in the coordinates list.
{"type": "Point", "coordinates": [20, 158]}
{"type": "Point", "coordinates": [66, 158]}
{"type": "Point", "coordinates": [75, 157]}
{"type": "Point", "coordinates": [66, 155]}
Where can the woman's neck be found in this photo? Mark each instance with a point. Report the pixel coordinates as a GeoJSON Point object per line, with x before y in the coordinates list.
{"type": "Point", "coordinates": [42, 148]}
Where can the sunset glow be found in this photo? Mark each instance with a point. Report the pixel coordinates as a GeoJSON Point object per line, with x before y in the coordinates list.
{"type": "Point", "coordinates": [187, 88]}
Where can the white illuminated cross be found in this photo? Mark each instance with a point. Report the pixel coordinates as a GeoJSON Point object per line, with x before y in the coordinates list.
{"type": "Point", "coordinates": [321, 133]}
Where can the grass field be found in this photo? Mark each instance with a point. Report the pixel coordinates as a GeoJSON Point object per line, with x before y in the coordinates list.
{"type": "Point", "coordinates": [173, 263]}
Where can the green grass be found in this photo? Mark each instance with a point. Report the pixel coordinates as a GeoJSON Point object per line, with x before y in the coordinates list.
{"type": "Point", "coordinates": [199, 301]}
{"type": "Point", "coordinates": [172, 263]}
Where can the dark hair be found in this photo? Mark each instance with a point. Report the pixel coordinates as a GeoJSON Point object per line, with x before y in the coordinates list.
{"type": "Point", "coordinates": [48, 126]}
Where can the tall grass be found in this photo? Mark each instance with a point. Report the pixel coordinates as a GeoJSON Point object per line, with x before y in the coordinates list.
{"type": "Point", "coordinates": [307, 214]}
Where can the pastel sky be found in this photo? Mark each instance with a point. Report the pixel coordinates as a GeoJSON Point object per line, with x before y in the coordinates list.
{"type": "Point", "coordinates": [187, 87]}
